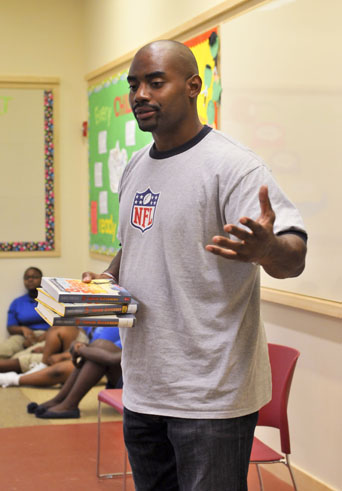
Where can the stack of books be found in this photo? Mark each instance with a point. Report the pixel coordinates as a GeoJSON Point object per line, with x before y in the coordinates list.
{"type": "Point", "coordinates": [69, 302]}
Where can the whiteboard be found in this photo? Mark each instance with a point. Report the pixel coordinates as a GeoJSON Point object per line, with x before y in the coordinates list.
{"type": "Point", "coordinates": [282, 96]}
{"type": "Point", "coordinates": [29, 224]}
{"type": "Point", "coordinates": [22, 192]}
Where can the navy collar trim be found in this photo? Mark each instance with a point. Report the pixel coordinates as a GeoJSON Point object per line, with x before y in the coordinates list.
{"type": "Point", "coordinates": [156, 154]}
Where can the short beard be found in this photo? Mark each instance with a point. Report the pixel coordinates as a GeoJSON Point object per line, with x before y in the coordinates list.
{"type": "Point", "coordinates": [149, 128]}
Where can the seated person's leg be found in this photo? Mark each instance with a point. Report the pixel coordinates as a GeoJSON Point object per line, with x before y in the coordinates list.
{"type": "Point", "coordinates": [31, 361]}
{"type": "Point", "coordinates": [58, 340]}
{"type": "Point", "coordinates": [101, 357]}
{"type": "Point", "coordinates": [22, 362]}
{"type": "Point", "coordinates": [55, 374]}
{"type": "Point", "coordinates": [30, 349]}
{"type": "Point", "coordinates": [11, 345]}
{"type": "Point", "coordinates": [10, 365]}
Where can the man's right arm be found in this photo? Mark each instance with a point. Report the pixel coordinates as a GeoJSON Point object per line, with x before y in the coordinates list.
{"type": "Point", "coordinates": [111, 272]}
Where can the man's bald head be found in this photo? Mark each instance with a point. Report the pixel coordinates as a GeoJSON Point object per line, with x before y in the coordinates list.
{"type": "Point", "coordinates": [177, 54]}
{"type": "Point", "coordinates": [164, 86]}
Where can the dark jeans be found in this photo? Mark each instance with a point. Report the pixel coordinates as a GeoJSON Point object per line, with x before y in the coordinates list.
{"type": "Point", "coordinates": [176, 454]}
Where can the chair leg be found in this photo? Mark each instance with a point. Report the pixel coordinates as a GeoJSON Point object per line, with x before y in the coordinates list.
{"type": "Point", "coordinates": [288, 465]}
{"type": "Point", "coordinates": [98, 455]}
{"type": "Point", "coordinates": [124, 471]}
{"type": "Point", "coordinates": [260, 477]}
{"type": "Point", "coordinates": [98, 439]}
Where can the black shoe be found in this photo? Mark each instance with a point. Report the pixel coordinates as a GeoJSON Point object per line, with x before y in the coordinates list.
{"type": "Point", "coordinates": [72, 413]}
{"type": "Point", "coordinates": [31, 408]}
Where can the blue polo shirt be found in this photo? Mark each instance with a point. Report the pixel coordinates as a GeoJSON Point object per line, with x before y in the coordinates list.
{"type": "Point", "coordinates": [22, 313]}
{"type": "Point", "coordinates": [108, 333]}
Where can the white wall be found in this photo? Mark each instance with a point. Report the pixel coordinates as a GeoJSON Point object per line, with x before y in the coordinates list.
{"type": "Point", "coordinates": [46, 38]}
{"type": "Point", "coordinates": [114, 28]}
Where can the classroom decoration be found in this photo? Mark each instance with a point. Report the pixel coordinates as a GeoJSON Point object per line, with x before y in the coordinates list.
{"type": "Point", "coordinates": [47, 245]}
{"type": "Point", "coordinates": [114, 136]}
{"type": "Point", "coordinates": [206, 48]}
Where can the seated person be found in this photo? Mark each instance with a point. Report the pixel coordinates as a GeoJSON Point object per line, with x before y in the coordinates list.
{"type": "Point", "coordinates": [89, 363]}
{"type": "Point", "coordinates": [24, 324]}
{"type": "Point", "coordinates": [56, 348]}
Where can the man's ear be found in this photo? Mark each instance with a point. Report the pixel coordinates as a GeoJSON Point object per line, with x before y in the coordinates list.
{"type": "Point", "coordinates": [194, 84]}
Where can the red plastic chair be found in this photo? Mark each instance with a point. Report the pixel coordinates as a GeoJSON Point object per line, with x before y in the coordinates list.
{"type": "Point", "coordinates": [112, 397]}
{"type": "Point", "coordinates": [283, 362]}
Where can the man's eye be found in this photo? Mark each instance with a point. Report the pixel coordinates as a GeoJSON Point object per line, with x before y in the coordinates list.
{"type": "Point", "coordinates": [132, 87]}
{"type": "Point", "coordinates": [156, 85]}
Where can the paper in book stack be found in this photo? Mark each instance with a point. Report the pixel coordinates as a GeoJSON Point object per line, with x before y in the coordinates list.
{"type": "Point", "coordinates": [66, 301]}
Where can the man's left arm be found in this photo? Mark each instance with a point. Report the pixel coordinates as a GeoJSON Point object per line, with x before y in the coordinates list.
{"type": "Point", "coordinates": [281, 256]}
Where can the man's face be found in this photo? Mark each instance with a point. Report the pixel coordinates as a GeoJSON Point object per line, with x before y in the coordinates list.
{"type": "Point", "coordinates": [32, 279]}
{"type": "Point", "coordinates": [158, 92]}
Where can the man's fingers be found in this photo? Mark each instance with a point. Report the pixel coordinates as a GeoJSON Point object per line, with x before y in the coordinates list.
{"type": "Point", "coordinates": [265, 203]}
{"type": "Point", "coordinates": [238, 232]}
{"type": "Point", "coordinates": [220, 251]}
{"type": "Point", "coordinates": [88, 276]}
{"type": "Point", "coordinates": [225, 243]}
{"type": "Point", "coordinates": [255, 227]}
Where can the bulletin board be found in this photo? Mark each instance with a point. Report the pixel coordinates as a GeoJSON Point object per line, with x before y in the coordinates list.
{"type": "Point", "coordinates": [114, 136]}
{"type": "Point", "coordinates": [28, 161]}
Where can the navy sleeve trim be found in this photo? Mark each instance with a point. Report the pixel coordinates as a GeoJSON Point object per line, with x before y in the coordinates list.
{"type": "Point", "coordinates": [299, 233]}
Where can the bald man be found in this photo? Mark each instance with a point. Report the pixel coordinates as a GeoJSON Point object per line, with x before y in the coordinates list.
{"type": "Point", "coordinates": [196, 226]}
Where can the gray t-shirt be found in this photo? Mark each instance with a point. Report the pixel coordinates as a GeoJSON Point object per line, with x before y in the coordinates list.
{"type": "Point", "coordinates": [199, 348]}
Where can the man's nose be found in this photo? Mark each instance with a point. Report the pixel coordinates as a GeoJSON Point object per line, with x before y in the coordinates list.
{"type": "Point", "coordinates": [142, 92]}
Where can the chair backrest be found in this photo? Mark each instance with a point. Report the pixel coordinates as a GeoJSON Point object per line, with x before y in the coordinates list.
{"type": "Point", "coordinates": [283, 361]}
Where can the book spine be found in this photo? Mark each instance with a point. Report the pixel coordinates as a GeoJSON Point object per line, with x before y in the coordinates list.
{"type": "Point", "coordinates": [80, 322]}
{"type": "Point", "coordinates": [100, 310]}
{"type": "Point", "coordinates": [79, 298]}
{"type": "Point", "coordinates": [104, 323]}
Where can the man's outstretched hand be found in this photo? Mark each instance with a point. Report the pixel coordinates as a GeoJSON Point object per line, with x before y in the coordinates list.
{"type": "Point", "coordinates": [280, 256]}
{"type": "Point", "coordinates": [251, 245]}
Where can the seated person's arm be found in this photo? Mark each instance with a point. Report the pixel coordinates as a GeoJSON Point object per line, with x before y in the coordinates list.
{"type": "Point", "coordinates": [24, 331]}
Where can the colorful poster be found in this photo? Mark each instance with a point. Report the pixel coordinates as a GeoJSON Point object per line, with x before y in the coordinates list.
{"type": "Point", "coordinates": [206, 49]}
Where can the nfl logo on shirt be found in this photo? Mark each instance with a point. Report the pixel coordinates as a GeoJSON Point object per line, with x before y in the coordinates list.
{"type": "Point", "coordinates": [143, 209]}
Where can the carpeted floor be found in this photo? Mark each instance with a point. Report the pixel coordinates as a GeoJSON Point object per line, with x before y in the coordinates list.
{"type": "Point", "coordinates": [63, 458]}
{"type": "Point", "coordinates": [60, 455]}
{"type": "Point", "coordinates": [60, 458]}
{"type": "Point", "coordinates": [13, 402]}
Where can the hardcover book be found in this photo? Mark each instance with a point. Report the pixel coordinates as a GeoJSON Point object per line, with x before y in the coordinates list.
{"type": "Point", "coordinates": [53, 319]}
{"type": "Point", "coordinates": [76, 291]}
{"type": "Point", "coordinates": [84, 309]}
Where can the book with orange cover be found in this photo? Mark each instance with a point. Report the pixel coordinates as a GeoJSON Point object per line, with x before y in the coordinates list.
{"type": "Point", "coordinates": [76, 291]}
